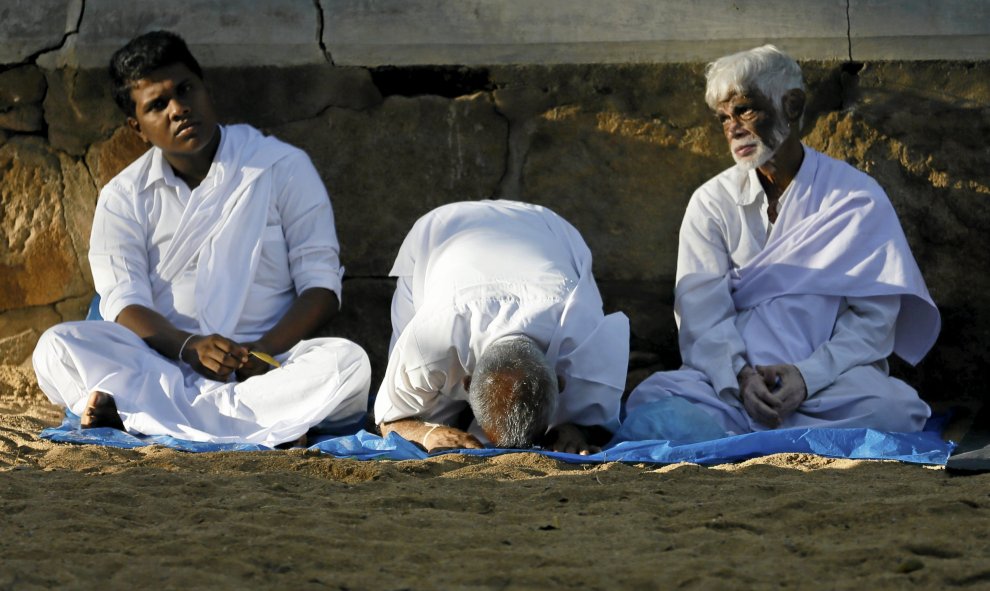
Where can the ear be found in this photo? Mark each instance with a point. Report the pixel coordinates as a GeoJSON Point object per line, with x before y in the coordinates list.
{"type": "Point", "coordinates": [136, 128]}
{"type": "Point", "coordinates": [467, 383]}
{"type": "Point", "coordinates": [560, 383]}
{"type": "Point", "coordinates": [793, 104]}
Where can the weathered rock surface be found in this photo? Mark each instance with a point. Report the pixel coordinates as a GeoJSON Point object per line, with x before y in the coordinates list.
{"type": "Point", "coordinates": [20, 329]}
{"type": "Point", "coordinates": [79, 109]}
{"type": "Point", "coordinates": [617, 150]}
{"type": "Point", "coordinates": [389, 165]}
{"type": "Point", "coordinates": [21, 86]}
{"type": "Point", "coordinates": [921, 133]}
{"type": "Point", "coordinates": [268, 97]}
{"type": "Point", "coordinates": [38, 260]}
{"type": "Point", "coordinates": [25, 118]}
{"type": "Point", "coordinates": [106, 158]}
{"type": "Point", "coordinates": [79, 203]}
{"type": "Point", "coordinates": [365, 319]}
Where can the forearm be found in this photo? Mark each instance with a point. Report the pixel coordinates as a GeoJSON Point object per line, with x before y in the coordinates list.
{"type": "Point", "coordinates": [430, 436]}
{"type": "Point", "coordinates": [409, 429]}
{"type": "Point", "coordinates": [154, 329]}
{"type": "Point", "coordinates": [863, 334]}
{"type": "Point", "coordinates": [708, 338]}
{"type": "Point", "coordinates": [311, 310]}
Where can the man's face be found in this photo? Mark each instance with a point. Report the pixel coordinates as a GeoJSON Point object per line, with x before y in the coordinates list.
{"type": "Point", "coordinates": [173, 111]}
{"type": "Point", "coordinates": [753, 128]}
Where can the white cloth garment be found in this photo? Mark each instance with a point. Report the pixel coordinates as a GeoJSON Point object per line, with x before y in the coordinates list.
{"type": "Point", "coordinates": [470, 273]}
{"type": "Point", "coordinates": [832, 288]}
{"type": "Point", "coordinates": [256, 232]}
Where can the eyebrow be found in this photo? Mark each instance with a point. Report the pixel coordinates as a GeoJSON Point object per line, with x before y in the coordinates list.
{"type": "Point", "coordinates": [146, 105]}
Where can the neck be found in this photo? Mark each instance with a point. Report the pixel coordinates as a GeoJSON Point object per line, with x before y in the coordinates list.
{"type": "Point", "coordinates": [193, 168]}
{"type": "Point", "coordinates": [776, 175]}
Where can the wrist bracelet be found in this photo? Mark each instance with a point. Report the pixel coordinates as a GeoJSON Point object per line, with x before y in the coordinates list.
{"type": "Point", "coordinates": [433, 427]}
{"type": "Point", "coordinates": [184, 343]}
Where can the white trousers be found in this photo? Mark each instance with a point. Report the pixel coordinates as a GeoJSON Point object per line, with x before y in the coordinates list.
{"type": "Point", "coordinates": [863, 397]}
{"type": "Point", "coordinates": [325, 378]}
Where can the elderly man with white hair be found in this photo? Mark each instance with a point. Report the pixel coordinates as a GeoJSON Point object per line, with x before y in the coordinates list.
{"type": "Point", "coordinates": [795, 282]}
{"type": "Point", "coordinates": [496, 312]}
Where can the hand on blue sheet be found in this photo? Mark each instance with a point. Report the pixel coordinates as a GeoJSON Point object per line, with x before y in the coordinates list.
{"type": "Point", "coordinates": [569, 438]}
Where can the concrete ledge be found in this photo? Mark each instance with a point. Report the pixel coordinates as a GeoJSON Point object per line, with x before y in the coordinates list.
{"type": "Point", "coordinates": [474, 32]}
{"type": "Point", "coordinates": [28, 27]}
{"type": "Point", "coordinates": [372, 33]}
{"type": "Point", "coordinates": [227, 33]}
{"type": "Point", "coordinates": [920, 29]}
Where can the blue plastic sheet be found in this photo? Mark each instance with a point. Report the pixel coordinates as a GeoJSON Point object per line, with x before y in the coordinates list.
{"type": "Point", "coordinates": [926, 447]}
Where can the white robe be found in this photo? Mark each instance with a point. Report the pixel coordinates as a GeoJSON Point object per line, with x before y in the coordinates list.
{"type": "Point", "coordinates": [832, 288]}
{"type": "Point", "coordinates": [470, 273]}
{"type": "Point", "coordinates": [228, 257]}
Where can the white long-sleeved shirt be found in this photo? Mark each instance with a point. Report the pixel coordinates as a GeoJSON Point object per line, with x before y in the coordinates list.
{"type": "Point", "coordinates": [470, 273]}
{"type": "Point", "coordinates": [726, 228]}
{"type": "Point", "coordinates": [140, 209]}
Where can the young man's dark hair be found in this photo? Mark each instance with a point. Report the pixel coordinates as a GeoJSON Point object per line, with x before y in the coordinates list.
{"type": "Point", "coordinates": [142, 56]}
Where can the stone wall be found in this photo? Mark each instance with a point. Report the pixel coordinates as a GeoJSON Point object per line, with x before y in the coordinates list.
{"type": "Point", "coordinates": [617, 148]}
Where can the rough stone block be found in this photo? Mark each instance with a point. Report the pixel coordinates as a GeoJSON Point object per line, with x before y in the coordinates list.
{"type": "Point", "coordinates": [79, 203]}
{"type": "Point", "coordinates": [23, 118]}
{"type": "Point", "coordinates": [266, 97]}
{"type": "Point", "coordinates": [38, 261]}
{"type": "Point", "coordinates": [17, 348]}
{"type": "Point", "coordinates": [933, 169]}
{"type": "Point", "coordinates": [74, 308]}
{"type": "Point", "coordinates": [107, 158]}
{"type": "Point", "coordinates": [20, 330]}
{"type": "Point", "coordinates": [387, 166]}
{"type": "Point", "coordinates": [21, 86]}
{"type": "Point", "coordinates": [619, 163]}
{"type": "Point", "coordinates": [653, 333]}
{"type": "Point", "coordinates": [79, 109]}
{"type": "Point", "coordinates": [365, 318]}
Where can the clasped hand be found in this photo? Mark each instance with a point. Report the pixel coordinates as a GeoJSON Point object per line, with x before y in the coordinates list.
{"type": "Point", "coordinates": [217, 357]}
{"type": "Point", "coordinates": [771, 393]}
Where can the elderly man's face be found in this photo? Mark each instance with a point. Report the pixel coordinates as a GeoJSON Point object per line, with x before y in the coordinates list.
{"type": "Point", "coordinates": [752, 126]}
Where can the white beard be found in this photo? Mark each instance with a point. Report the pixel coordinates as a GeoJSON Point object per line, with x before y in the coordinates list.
{"type": "Point", "coordinates": [764, 152]}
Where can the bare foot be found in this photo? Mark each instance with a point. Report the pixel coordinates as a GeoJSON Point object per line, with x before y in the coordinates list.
{"type": "Point", "coordinates": [101, 411]}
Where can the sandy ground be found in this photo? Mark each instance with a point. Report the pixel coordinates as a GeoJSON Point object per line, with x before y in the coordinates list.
{"type": "Point", "coordinates": [87, 517]}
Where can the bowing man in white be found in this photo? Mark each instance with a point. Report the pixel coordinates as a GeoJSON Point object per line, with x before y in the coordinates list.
{"type": "Point", "coordinates": [496, 311]}
{"type": "Point", "coordinates": [795, 282]}
{"type": "Point", "coordinates": [216, 244]}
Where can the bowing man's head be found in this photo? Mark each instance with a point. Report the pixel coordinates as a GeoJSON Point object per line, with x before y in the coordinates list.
{"type": "Point", "coordinates": [513, 392]}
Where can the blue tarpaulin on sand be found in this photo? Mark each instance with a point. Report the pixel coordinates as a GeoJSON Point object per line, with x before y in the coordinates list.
{"type": "Point", "coordinates": [682, 425]}
{"type": "Point", "coordinates": [926, 447]}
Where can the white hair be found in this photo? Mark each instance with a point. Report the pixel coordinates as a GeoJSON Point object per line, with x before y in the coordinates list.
{"type": "Point", "coordinates": [766, 69]}
{"type": "Point", "coordinates": [519, 415]}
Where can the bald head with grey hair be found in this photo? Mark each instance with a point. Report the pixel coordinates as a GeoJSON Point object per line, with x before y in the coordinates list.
{"type": "Point", "coordinates": [765, 69]}
{"type": "Point", "coordinates": [513, 392]}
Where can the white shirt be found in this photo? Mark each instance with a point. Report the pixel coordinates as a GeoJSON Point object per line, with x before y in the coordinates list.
{"type": "Point", "coordinates": [823, 330]}
{"type": "Point", "coordinates": [470, 273]}
{"type": "Point", "coordinates": [137, 215]}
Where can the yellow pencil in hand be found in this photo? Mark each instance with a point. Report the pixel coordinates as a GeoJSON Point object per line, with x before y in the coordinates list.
{"type": "Point", "coordinates": [266, 358]}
